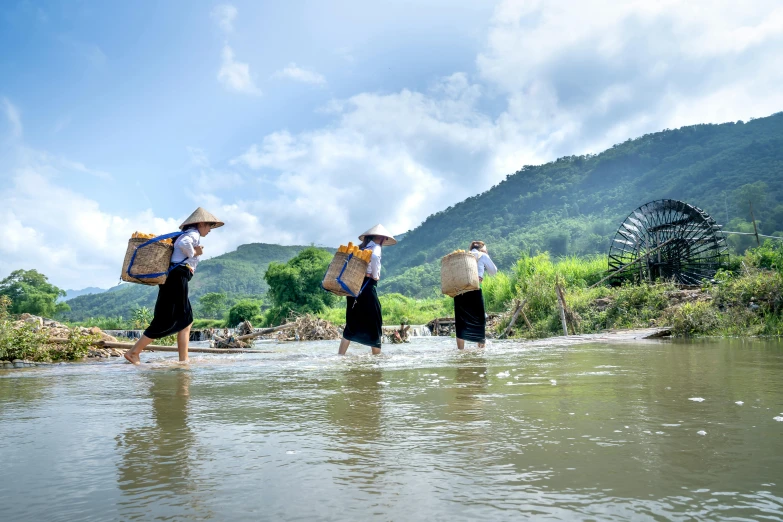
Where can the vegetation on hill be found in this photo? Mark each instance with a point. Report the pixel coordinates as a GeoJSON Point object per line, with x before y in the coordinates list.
{"type": "Point", "coordinates": [573, 206]}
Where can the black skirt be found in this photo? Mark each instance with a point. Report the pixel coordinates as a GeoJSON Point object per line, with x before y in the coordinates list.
{"type": "Point", "coordinates": [363, 319]}
{"type": "Point", "coordinates": [172, 309]}
{"type": "Point", "coordinates": [469, 316]}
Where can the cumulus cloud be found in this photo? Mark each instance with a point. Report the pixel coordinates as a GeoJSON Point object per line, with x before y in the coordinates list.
{"type": "Point", "coordinates": [296, 73]}
{"type": "Point", "coordinates": [609, 71]}
{"type": "Point", "coordinates": [568, 78]}
{"type": "Point", "coordinates": [235, 76]}
{"type": "Point", "coordinates": [224, 15]}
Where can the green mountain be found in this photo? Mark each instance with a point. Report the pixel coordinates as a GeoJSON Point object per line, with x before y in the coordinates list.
{"type": "Point", "coordinates": [574, 205]}
{"type": "Point", "coordinates": [239, 274]}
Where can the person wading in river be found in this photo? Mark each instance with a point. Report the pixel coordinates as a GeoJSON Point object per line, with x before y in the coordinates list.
{"type": "Point", "coordinates": [172, 309]}
{"type": "Point", "coordinates": [363, 320]}
{"type": "Point", "coordinates": [469, 316]}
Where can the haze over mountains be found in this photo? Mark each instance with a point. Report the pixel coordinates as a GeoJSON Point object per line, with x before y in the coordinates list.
{"type": "Point", "coordinates": [569, 206]}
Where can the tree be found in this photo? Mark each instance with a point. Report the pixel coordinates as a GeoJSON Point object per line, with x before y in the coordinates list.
{"type": "Point", "coordinates": [296, 285]}
{"type": "Point", "coordinates": [243, 311]}
{"type": "Point", "coordinates": [213, 304]}
{"type": "Point", "coordinates": [30, 292]}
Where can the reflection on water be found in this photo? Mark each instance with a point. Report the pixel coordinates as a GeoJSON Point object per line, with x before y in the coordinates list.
{"type": "Point", "coordinates": [613, 432]}
{"type": "Point", "coordinates": [156, 459]}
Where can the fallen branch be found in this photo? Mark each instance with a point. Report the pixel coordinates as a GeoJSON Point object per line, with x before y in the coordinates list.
{"type": "Point", "coordinates": [157, 348]}
{"type": "Point", "coordinates": [514, 319]}
{"type": "Point", "coordinates": [266, 331]}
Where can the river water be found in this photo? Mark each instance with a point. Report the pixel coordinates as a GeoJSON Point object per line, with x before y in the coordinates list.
{"type": "Point", "coordinates": [608, 431]}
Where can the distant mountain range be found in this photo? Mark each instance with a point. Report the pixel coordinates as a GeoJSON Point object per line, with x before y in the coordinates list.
{"type": "Point", "coordinates": [569, 206]}
{"type": "Point", "coordinates": [70, 294]}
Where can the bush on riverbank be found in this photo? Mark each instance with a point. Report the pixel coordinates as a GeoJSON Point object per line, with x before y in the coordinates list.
{"type": "Point", "coordinates": [30, 341]}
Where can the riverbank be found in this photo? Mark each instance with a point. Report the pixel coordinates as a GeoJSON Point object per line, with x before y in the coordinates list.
{"type": "Point", "coordinates": [746, 299]}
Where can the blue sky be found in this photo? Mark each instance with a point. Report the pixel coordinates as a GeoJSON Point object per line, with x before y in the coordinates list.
{"type": "Point", "coordinates": [300, 122]}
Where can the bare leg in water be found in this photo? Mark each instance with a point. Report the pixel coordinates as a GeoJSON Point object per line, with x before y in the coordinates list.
{"type": "Point", "coordinates": [132, 355]}
{"type": "Point", "coordinates": [344, 347]}
{"type": "Point", "coordinates": [183, 336]}
{"type": "Point", "coordinates": [461, 344]}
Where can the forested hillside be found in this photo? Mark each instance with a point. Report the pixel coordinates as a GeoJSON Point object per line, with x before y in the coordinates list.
{"type": "Point", "coordinates": [238, 274]}
{"type": "Point", "coordinates": [574, 205]}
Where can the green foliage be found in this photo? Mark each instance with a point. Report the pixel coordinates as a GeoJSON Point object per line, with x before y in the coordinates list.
{"type": "Point", "coordinates": [23, 342]}
{"type": "Point", "coordinates": [296, 285]}
{"type": "Point", "coordinates": [769, 256]}
{"type": "Point", "coordinates": [397, 307]}
{"type": "Point", "coordinates": [213, 304]}
{"type": "Point", "coordinates": [74, 349]}
{"type": "Point", "coordinates": [31, 292]}
{"type": "Point", "coordinates": [104, 323]}
{"type": "Point", "coordinates": [142, 317]}
{"type": "Point", "coordinates": [695, 319]}
{"type": "Point", "coordinates": [200, 324]}
{"type": "Point", "coordinates": [244, 310]}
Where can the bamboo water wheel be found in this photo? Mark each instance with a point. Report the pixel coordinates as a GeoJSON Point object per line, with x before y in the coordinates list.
{"type": "Point", "coordinates": [670, 240]}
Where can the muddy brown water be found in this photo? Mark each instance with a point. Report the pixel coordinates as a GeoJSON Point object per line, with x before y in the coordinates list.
{"type": "Point", "coordinates": [648, 430]}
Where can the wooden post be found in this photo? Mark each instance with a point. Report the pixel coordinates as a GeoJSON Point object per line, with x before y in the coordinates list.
{"type": "Point", "coordinates": [562, 308]}
{"type": "Point", "coordinates": [436, 330]}
{"type": "Point", "coordinates": [755, 230]}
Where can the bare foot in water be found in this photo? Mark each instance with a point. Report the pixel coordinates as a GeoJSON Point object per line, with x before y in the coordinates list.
{"type": "Point", "coordinates": [132, 358]}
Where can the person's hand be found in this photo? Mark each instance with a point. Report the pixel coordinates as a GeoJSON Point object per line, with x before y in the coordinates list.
{"type": "Point", "coordinates": [484, 249]}
{"type": "Point", "coordinates": [198, 249]}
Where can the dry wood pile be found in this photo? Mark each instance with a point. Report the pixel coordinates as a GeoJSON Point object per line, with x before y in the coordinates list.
{"type": "Point", "coordinates": [308, 328]}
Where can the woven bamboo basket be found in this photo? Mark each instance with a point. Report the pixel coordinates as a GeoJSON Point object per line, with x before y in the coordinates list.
{"type": "Point", "coordinates": [458, 274]}
{"type": "Point", "coordinates": [152, 259]}
{"type": "Point", "coordinates": [352, 277]}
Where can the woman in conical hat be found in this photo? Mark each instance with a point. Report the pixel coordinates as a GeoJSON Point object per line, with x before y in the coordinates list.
{"type": "Point", "coordinates": [173, 313]}
{"type": "Point", "coordinates": [470, 319]}
{"type": "Point", "coordinates": [363, 320]}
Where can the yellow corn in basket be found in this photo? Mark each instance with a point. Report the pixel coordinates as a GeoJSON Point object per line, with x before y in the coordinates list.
{"type": "Point", "coordinates": [154, 259]}
{"type": "Point", "coordinates": [345, 275]}
{"type": "Point", "coordinates": [458, 273]}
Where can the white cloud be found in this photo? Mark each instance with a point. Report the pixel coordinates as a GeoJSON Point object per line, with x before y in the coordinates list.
{"type": "Point", "coordinates": [607, 71]}
{"type": "Point", "coordinates": [13, 117]}
{"type": "Point", "coordinates": [293, 72]}
{"type": "Point", "coordinates": [563, 78]}
{"type": "Point", "coordinates": [225, 14]}
{"type": "Point", "coordinates": [235, 75]}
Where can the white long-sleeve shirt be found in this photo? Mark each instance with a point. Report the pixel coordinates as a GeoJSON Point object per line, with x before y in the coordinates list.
{"type": "Point", "coordinates": [484, 263]}
{"type": "Point", "coordinates": [185, 248]}
{"type": "Point", "coordinates": [374, 268]}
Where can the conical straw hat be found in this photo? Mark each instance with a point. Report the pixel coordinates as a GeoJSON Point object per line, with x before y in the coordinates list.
{"type": "Point", "coordinates": [378, 230]}
{"type": "Point", "coordinates": [201, 216]}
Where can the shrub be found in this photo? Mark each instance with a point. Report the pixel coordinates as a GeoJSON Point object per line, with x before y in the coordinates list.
{"type": "Point", "coordinates": [244, 310]}
{"type": "Point", "coordinates": [696, 318]}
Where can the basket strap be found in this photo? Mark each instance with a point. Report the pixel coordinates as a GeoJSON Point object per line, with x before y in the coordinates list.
{"type": "Point", "coordinates": [340, 276]}
{"type": "Point", "coordinates": [149, 242]}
